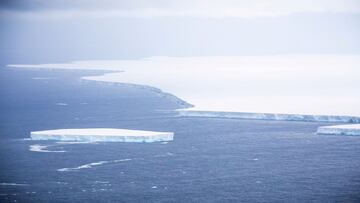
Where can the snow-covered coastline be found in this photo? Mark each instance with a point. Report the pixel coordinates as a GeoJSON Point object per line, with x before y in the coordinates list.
{"type": "Point", "coordinates": [102, 135]}
{"type": "Point", "coordinates": [284, 87]}
{"type": "Point", "coordinates": [179, 101]}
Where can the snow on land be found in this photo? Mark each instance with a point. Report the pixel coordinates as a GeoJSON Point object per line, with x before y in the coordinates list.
{"type": "Point", "coordinates": [296, 85]}
{"type": "Point", "coordinates": [102, 135]}
{"type": "Point", "coordinates": [353, 129]}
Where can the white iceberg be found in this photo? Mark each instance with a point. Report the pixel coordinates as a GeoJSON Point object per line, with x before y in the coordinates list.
{"type": "Point", "coordinates": [102, 135]}
{"type": "Point", "coordinates": [269, 116]}
{"type": "Point", "coordinates": [353, 129]}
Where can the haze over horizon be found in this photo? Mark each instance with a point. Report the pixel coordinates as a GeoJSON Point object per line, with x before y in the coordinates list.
{"type": "Point", "coordinates": [55, 31]}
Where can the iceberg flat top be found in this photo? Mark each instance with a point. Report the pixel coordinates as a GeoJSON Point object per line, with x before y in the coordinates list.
{"type": "Point", "coordinates": [280, 84]}
{"type": "Point", "coordinates": [102, 134]}
{"type": "Point", "coordinates": [99, 132]}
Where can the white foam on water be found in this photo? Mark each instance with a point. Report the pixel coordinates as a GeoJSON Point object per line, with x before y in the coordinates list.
{"type": "Point", "coordinates": [13, 184]}
{"type": "Point", "coordinates": [91, 165]}
{"type": "Point", "coordinates": [61, 104]}
{"type": "Point", "coordinates": [43, 78]}
{"type": "Point", "coordinates": [43, 148]}
{"type": "Point", "coordinates": [165, 155]}
{"type": "Point", "coordinates": [102, 182]}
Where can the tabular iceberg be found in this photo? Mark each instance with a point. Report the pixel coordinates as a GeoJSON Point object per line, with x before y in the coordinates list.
{"type": "Point", "coordinates": [269, 116]}
{"type": "Point", "coordinates": [102, 135]}
{"type": "Point", "coordinates": [339, 130]}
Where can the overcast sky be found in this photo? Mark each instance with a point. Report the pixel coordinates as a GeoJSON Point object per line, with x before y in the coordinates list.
{"type": "Point", "coordinates": [191, 8]}
{"type": "Point", "coordinates": [60, 30]}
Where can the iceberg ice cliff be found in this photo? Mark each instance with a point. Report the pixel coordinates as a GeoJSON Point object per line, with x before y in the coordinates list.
{"type": "Point", "coordinates": [102, 135]}
{"type": "Point", "coordinates": [269, 116]}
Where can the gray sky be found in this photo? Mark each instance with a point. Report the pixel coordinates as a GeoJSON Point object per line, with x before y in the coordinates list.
{"type": "Point", "coordinates": [58, 30]}
{"type": "Point", "coordinates": [190, 8]}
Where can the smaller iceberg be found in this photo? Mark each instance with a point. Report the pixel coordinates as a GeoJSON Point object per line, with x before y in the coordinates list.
{"type": "Point", "coordinates": [352, 129]}
{"type": "Point", "coordinates": [102, 135]}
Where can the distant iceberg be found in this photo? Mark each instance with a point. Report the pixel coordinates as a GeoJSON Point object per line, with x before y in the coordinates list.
{"type": "Point", "coordinates": [339, 130]}
{"type": "Point", "coordinates": [102, 135]}
{"type": "Point", "coordinates": [269, 116]}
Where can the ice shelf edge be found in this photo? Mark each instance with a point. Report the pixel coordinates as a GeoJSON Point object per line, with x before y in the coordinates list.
{"type": "Point", "coordinates": [268, 116]}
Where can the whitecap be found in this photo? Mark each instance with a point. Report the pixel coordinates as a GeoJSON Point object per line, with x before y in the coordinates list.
{"type": "Point", "coordinates": [165, 155]}
{"type": "Point", "coordinates": [43, 78]}
{"type": "Point", "coordinates": [102, 182]}
{"type": "Point", "coordinates": [42, 148]}
{"type": "Point", "coordinates": [61, 104]}
{"type": "Point", "coordinates": [13, 184]}
{"type": "Point", "coordinates": [91, 165]}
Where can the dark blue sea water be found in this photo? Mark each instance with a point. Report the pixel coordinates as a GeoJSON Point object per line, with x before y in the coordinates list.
{"type": "Point", "coordinates": [210, 160]}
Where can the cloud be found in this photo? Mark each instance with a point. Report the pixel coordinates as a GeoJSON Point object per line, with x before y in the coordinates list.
{"type": "Point", "coordinates": [174, 8]}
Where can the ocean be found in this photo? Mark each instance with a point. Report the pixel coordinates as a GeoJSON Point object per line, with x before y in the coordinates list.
{"type": "Point", "coordinates": [210, 159]}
